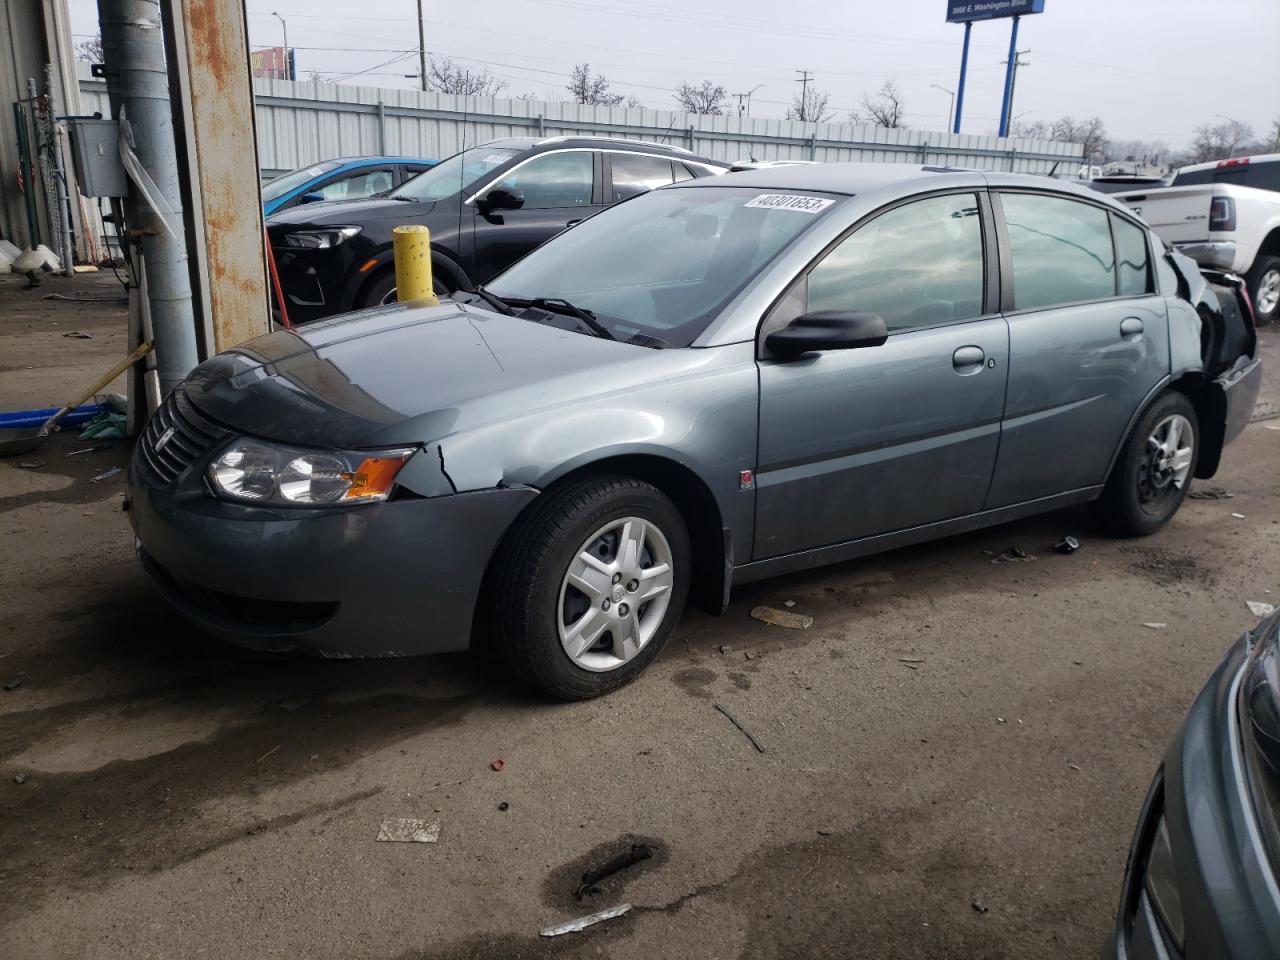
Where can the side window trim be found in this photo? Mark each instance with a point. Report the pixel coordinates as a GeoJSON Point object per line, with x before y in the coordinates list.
{"type": "Point", "coordinates": [991, 272]}
{"type": "Point", "coordinates": [1008, 306]}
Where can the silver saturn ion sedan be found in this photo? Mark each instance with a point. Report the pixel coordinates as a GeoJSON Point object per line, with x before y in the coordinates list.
{"type": "Point", "coordinates": [715, 382]}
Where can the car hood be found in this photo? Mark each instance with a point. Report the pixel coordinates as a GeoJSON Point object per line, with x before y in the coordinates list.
{"type": "Point", "coordinates": [406, 374]}
{"type": "Point", "coordinates": [335, 212]}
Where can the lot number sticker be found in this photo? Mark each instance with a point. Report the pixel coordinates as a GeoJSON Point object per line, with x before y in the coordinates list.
{"type": "Point", "coordinates": [789, 201]}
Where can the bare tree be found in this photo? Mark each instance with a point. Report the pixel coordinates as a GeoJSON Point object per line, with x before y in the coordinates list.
{"type": "Point", "coordinates": [592, 89]}
{"type": "Point", "coordinates": [1218, 141]}
{"type": "Point", "coordinates": [707, 99]}
{"type": "Point", "coordinates": [1275, 135]}
{"type": "Point", "coordinates": [811, 105]}
{"type": "Point", "coordinates": [445, 76]}
{"type": "Point", "coordinates": [315, 76]}
{"type": "Point", "coordinates": [886, 108]}
{"type": "Point", "coordinates": [1090, 133]}
{"type": "Point", "coordinates": [90, 49]}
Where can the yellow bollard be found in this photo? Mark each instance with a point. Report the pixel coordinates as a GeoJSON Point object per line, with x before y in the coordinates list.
{"type": "Point", "coordinates": [413, 263]}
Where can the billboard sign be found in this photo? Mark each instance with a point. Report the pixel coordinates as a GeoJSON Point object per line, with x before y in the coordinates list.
{"type": "Point", "coordinates": [271, 63]}
{"type": "Point", "coordinates": [958, 12]}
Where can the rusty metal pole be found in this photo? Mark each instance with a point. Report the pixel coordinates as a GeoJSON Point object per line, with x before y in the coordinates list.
{"type": "Point", "coordinates": [138, 78]}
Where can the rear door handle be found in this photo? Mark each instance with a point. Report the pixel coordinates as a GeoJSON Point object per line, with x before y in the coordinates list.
{"type": "Point", "coordinates": [1131, 328]}
{"type": "Point", "coordinates": [968, 360]}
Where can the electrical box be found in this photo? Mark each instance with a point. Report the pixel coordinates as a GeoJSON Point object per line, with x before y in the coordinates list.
{"type": "Point", "coordinates": [95, 150]}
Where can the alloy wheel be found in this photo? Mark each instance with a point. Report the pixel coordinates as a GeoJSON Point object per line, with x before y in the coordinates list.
{"type": "Point", "coordinates": [1268, 292]}
{"type": "Point", "coordinates": [615, 594]}
{"type": "Point", "coordinates": [1166, 467]}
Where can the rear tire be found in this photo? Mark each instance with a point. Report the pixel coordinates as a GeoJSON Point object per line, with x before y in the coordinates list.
{"type": "Point", "coordinates": [1264, 289]}
{"type": "Point", "coordinates": [574, 643]}
{"type": "Point", "coordinates": [1153, 474]}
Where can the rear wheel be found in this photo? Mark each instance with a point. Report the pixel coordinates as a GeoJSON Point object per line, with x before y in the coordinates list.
{"type": "Point", "coordinates": [1153, 475]}
{"type": "Point", "coordinates": [589, 586]}
{"type": "Point", "coordinates": [1264, 289]}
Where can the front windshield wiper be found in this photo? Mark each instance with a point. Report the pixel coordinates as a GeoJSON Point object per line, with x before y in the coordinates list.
{"type": "Point", "coordinates": [560, 305]}
{"type": "Point", "coordinates": [493, 300]}
{"type": "Point", "coordinates": [401, 196]}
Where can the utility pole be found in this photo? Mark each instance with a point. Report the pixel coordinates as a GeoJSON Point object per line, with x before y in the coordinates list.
{"type": "Point", "coordinates": [952, 108]}
{"type": "Point", "coordinates": [422, 47]}
{"type": "Point", "coordinates": [288, 59]}
{"type": "Point", "coordinates": [1008, 78]}
{"type": "Point", "coordinates": [1013, 81]}
{"type": "Point", "coordinates": [745, 99]}
{"type": "Point", "coordinates": [805, 77]}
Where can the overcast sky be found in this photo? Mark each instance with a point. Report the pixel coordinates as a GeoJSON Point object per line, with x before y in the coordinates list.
{"type": "Point", "coordinates": [1152, 69]}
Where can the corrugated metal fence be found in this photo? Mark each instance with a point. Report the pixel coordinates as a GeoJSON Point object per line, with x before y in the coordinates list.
{"type": "Point", "coordinates": [302, 122]}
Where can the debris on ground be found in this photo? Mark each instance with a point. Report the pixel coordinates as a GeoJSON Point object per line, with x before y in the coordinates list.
{"type": "Point", "coordinates": [498, 765]}
{"type": "Point", "coordinates": [725, 648]}
{"type": "Point", "coordinates": [15, 683]}
{"type": "Point", "coordinates": [113, 472]}
{"type": "Point", "coordinates": [911, 659]}
{"type": "Point", "coordinates": [1067, 544]}
{"type": "Point", "coordinates": [824, 831]}
{"type": "Point", "coordinates": [780, 618]}
{"type": "Point", "coordinates": [1260, 609]}
{"type": "Point", "coordinates": [638, 853]}
{"type": "Point", "coordinates": [738, 723]}
{"type": "Point", "coordinates": [269, 753]}
{"type": "Point", "coordinates": [788, 603]}
{"type": "Point", "coordinates": [77, 335]}
{"type": "Point", "coordinates": [1073, 766]}
{"type": "Point", "coordinates": [409, 830]}
{"type": "Point", "coordinates": [978, 905]}
{"type": "Point", "coordinates": [30, 465]}
{"type": "Point", "coordinates": [1001, 720]}
{"type": "Point", "coordinates": [1210, 493]}
{"type": "Point", "coordinates": [107, 425]}
{"type": "Point", "coordinates": [1238, 516]}
{"type": "Point", "coordinates": [574, 926]}
{"type": "Point", "coordinates": [101, 446]}
{"type": "Point", "coordinates": [1015, 555]}
{"type": "Point", "coordinates": [504, 806]}
{"type": "Point", "coordinates": [19, 778]}
{"type": "Point", "coordinates": [1155, 626]}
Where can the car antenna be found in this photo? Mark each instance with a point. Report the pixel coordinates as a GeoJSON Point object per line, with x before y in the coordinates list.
{"type": "Point", "coordinates": [668, 130]}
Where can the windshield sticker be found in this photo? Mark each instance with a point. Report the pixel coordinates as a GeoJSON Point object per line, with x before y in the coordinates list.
{"type": "Point", "coordinates": [496, 158]}
{"type": "Point", "coordinates": [789, 201]}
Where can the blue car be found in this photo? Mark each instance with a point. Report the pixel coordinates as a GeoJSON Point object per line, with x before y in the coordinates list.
{"type": "Point", "coordinates": [346, 178]}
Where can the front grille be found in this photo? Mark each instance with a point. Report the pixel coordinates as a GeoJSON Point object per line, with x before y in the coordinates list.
{"type": "Point", "coordinates": [192, 435]}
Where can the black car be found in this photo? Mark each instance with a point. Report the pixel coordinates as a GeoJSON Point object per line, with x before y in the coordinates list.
{"type": "Point", "coordinates": [486, 207]}
{"type": "Point", "coordinates": [1202, 874]}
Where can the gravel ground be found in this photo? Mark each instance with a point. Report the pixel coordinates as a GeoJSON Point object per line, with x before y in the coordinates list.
{"type": "Point", "coordinates": [950, 732]}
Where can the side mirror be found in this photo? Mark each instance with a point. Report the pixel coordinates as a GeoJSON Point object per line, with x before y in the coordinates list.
{"type": "Point", "coordinates": [312, 197]}
{"type": "Point", "coordinates": [827, 330]}
{"type": "Point", "coordinates": [500, 198]}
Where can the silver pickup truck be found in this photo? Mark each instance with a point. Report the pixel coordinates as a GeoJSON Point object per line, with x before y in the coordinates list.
{"type": "Point", "coordinates": [1225, 216]}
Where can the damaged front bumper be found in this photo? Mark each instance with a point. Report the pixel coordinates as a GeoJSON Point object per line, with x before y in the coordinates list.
{"type": "Point", "coordinates": [396, 578]}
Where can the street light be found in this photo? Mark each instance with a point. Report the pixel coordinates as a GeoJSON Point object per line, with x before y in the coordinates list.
{"type": "Point", "coordinates": [950, 109]}
{"type": "Point", "coordinates": [747, 97]}
{"type": "Point", "coordinates": [288, 61]}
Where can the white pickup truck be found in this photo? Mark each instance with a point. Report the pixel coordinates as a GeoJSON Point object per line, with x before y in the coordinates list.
{"type": "Point", "coordinates": [1226, 216]}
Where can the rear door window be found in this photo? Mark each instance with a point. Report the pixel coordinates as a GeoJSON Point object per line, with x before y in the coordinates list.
{"type": "Point", "coordinates": [1061, 250]}
{"type": "Point", "coordinates": [634, 173]}
{"type": "Point", "coordinates": [916, 265]}
{"type": "Point", "coordinates": [1132, 258]}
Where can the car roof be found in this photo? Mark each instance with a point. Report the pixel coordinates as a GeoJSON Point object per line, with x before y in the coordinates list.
{"type": "Point", "coordinates": [845, 178]}
{"type": "Point", "coordinates": [349, 161]}
{"type": "Point", "coordinates": [602, 143]}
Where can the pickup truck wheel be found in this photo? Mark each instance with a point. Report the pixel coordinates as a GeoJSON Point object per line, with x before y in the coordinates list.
{"type": "Point", "coordinates": [589, 586]}
{"type": "Point", "coordinates": [1153, 474]}
{"type": "Point", "coordinates": [1264, 289]}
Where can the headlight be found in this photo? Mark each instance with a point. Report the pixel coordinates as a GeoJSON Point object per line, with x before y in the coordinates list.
{"type": "Point", "coordinates": [1162, 886]}
{"type": "Point", "coordinates": [1260, 728]}
{"type": "Point", "coordinates": [320, 239]}
{"type": "Point", "coordinates": [259, 472]}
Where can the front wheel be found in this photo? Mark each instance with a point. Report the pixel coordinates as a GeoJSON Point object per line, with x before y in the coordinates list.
{"type": "Point", "coordinates": [1153, 474]}
{"type": "Point", "coordinates": [589, 586]}
{"type": "Point", "coordinates": [1264, 289]}
{"type": "Point", "coordinates": [382, 289]}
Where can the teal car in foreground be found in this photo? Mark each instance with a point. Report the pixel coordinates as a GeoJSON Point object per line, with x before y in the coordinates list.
{"type": "Point", "coordinates": [344, 178]}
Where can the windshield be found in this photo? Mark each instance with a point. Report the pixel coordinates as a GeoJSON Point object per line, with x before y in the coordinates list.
{"type": "Point", "coordinates": [286, 182]}
{"type": "Point", "coordinates": [662, 264]}
{"type": "Point", "coordinates": [455, 174]}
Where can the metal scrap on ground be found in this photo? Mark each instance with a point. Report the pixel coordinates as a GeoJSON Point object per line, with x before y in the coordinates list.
{"type": "Point", "coordinates": [573, 926]}
{"type": "Point", "coordinates": [1156, 626]}
{"type": "Point", "coordinates": [781, 618]}
{"type": "Point", "coordinates": [409, 830]}
{"type": "Point", "coordinates": [1260, 609]}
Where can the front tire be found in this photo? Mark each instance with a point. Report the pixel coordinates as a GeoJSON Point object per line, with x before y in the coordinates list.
{"type": "Point", "coordinates": [382, 289]}
{"type": "Point", "coordinates": [1153, 474]}
{"type": "Point", "coordinates": [1264, 289]}
{"type": "Point", "coordinates": [589, 586]}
